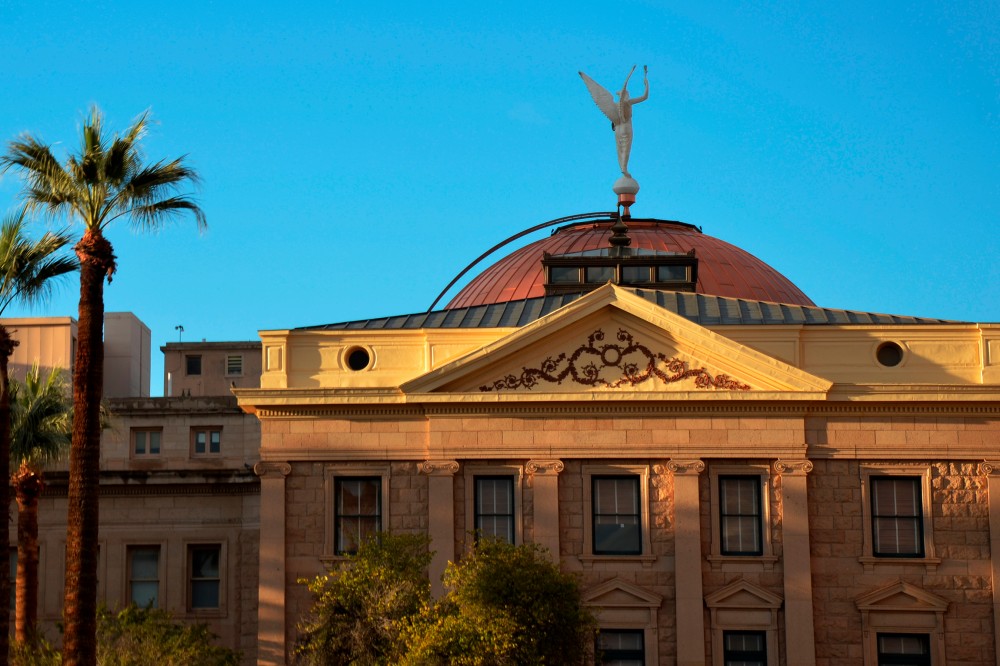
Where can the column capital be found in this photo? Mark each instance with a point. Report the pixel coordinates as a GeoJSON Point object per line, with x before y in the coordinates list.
{"type": "Point", "coordinates": [990, 467]}
{"type": "Point", "coordinates": [793, 467]}
{"type": "Point", "coordinates": [682, 467]}
{"type": "Point", "coordinates": [439, 467]}
{"type": "Point", "coordinates": [272, 470]}
{"type": "Point", "coordinates": [552, 467]}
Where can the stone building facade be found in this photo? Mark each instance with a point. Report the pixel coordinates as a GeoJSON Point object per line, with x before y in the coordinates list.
{"type": "Point", "coordinates": [734, 480]}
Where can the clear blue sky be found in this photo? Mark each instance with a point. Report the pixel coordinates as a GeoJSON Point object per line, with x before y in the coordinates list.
{"type": "Point", "coordinates": [356, 156]}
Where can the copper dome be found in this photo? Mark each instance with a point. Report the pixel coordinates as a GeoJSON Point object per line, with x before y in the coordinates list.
{"type": "Point", "coordinates": [723, 269]}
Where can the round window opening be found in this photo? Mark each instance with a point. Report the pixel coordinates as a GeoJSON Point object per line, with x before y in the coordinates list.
{"type": "Point", "coordinates": [889, 354]}
{"type": "Point", "coordinates": [358, 359]}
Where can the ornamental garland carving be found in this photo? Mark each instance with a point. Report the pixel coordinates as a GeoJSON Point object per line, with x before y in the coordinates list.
{"type": "Point", "coordinates": [613, 365]}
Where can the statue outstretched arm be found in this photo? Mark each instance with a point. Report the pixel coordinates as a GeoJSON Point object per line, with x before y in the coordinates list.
{"type": "Point", "coordinates": [645, 81]}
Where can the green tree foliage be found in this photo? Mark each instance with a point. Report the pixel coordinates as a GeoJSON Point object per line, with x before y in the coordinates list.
{"type": "Point", "coordinates": [137, 637]}
{"type": "Point", "coordinates": [506, 605]}
{"type": "Point", "coordinates": [360, 608]}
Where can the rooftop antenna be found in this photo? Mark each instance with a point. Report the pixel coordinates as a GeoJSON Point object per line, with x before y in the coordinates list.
{"type": "Point", "coordinates": [180, 332]}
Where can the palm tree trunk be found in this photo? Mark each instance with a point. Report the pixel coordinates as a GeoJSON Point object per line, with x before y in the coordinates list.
{"type": "Point", "coordinates": [7, 345]}
{"type": "Point", "coordinates": [27, 488]}
{"type": "Point", "coordinates": [80, 601]}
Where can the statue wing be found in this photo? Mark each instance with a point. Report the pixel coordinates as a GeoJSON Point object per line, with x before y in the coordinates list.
{"type": "Point", "coordinates": [604, 100]}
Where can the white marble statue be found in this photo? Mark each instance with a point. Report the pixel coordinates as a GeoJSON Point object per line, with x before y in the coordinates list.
{"type": "Point", "coordinates": [619, 113]}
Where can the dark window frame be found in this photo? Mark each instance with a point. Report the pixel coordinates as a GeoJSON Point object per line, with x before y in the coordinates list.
{"type": "Point", "coordinates": [192, 580]}
{"type": "Point", "coordinates": [897, 658]}
{"type": "Point", "coordinates": [478, 515]}
{"type": "Point", "coordinates": [730, 656]}
{"type": "Point", "coordinates": [339, 515]}
{"type": "Point", "coordinates": [192, 365]}
{"type": "Point", "coordinates": [893, 519]}
{"type": "Point", "coordinates": [611, 655]}
{"type": "Point", "coordinates": [208, 444]}
{"type": "Point", "coordinates": [130, 551]}
{"type": "Point", "coordinates": [635, 481]}
{"type": "Point", "coordinates": [757, 517]}
{"type": "Point", "coordinates": [147, 444]}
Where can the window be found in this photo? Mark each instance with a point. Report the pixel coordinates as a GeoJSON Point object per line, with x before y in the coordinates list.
{"type": "Point", "coordinates": [741, 519]}
{"type": "Point", "coordinates": [908, 649]}
{"type": "Point", "coordinates": [357, 511]}
{"type": "Point", "coordinates": [204, 580]}
{"type": "Point", "coordinates": [896, 508]}
{"type": "Point", "coordinates": [599, 274]}
{"type": "Point", "coordinates": [206, 440]}
{"type": "Point", "coordinates": [617, 518]}
{"type": "Point", "coordinates": [193, 364]}
{"type": "Point", "coordinates": [146, 441]}
{"type": "Point", "coordinates": [896, 517]}
{"type": "Point", "coordinates": [740, 515]}
{"type": "Point", "coordinates": [671, 273]}
{"type": "Point", "coordinates": [564, 274]}
{"type": "Point", "coordinates": [744, 648]}
{"type": "Point", "coordinates": [144, 576]}
{"type": "Point", "coordinates": [234, 365]}
{"type": "Point", "coordinates": [494, 507]}
{"type": "Point", "coordinates": [621, 647]}
{"type": "Point", "coordinates": [635, 274]}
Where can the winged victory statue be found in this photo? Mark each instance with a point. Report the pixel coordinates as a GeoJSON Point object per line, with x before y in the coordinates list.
{"type": "Point", "coordinates": [619, 113]}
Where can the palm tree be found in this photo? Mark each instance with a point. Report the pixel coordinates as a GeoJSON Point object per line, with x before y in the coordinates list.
{"type": "Point", "coordinates": [26, 271]}
{"type": "Point", "coordinates": [105, 181]}
{"type": "Point", "coordinates": [40, 433]}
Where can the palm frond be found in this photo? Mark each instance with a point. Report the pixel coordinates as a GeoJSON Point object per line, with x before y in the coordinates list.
{"type": "Point", "coordinates": [27, 267]}
{"type": "Point", "coordinates": [149, 217]}
{"type": "Point", "coordinates": [41, 412]}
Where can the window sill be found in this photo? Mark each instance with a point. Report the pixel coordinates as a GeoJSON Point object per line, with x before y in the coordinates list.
{"type": "Point", "coordinates": [871, 563]}
{"type": "Point", "coordinates": [646, 561]}
{"type": "Point", "coordinates": [742, 562]}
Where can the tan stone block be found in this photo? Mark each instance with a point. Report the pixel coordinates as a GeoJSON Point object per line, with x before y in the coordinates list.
{"type": "Point", "coordinates": [301, 426]}
{"type": "Point", "coordinates": [671, 437]}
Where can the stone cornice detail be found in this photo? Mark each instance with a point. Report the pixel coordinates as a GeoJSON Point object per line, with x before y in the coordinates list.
{"type": "Point", "coordinates": [990, 467]}
{"type": "Point", "coordinates": [648, 404]}
{"type": "Point", "coordinates": [793, 467]}
{"type": "Point", "coordinates": [544, 466]}
{"type": "Point", "coordinates": [682, 467]}
{"type": "Point", "coordinates": [272, 470]}
{"type": "Point", "coordinates": [439, 467]}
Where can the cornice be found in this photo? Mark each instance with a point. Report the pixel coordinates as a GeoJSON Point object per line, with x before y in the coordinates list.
{"type": "Point", "coordinates": [175, 489]}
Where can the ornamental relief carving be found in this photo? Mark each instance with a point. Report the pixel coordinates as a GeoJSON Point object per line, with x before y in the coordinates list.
{"type": "Point", "coordinates": [614, 364]}
{"type": "Point", "coordinates": [439, 467]}
{"type": "Point", "coordinates": [273, 470]}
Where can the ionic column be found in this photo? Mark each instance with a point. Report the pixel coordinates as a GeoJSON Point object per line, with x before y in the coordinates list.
{"type": "Point", "coordinates": [690, 601]}
{"type": "Point", "coordinates": [545, 485]}
{"type": "Point", "coordinates": [441, 517]}
{"type": "Point", "coordinates": [271, 597]}
{"type": "Point", "coordinates": [991, 468]}
{"type": "Point", "coordinates": [800, 643]}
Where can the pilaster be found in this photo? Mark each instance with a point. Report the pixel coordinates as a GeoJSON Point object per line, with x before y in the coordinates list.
{"type": "Point", "coordinates": [545, 484]}
{"type": "Point", "coordinates": [271, 648]}
{"type": "Point", "coordinates": [441, 521]}
{"type": "Point", "coordinates": [800, 641]}
{"type": "Point", "coordinates": [687, 557]}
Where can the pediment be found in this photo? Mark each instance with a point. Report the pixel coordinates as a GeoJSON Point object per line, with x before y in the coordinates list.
{"type": "Point", "coordinates": [611, 341]}
{"type": "Point", "coordinates": [742, 594]}
{"type": "Point", "coordinates": [901, 596]}
{"type": "Point", "coordinates": [617, 593]}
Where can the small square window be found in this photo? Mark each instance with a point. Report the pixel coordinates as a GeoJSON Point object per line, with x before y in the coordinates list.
{"type": "Point", "coordinates": [600, 274]}
{"type": "Point", "coordinates": [206, 441]}
{"type": "Point", "coordinates": [494, 502]}
{"type": "Point", "coordinates": [234, 365]}
{"type": "Point", "coordinates": [144, 576]}
{"type": "Point", "coordinates": [193, 364]}
{"type": "Point", "coordinates": [671, 273]}
{"type": "Point", "coordinates": [635, 274]}
{"type": "Point", "coordinates": [204, 579]}
{"type": "Point", "coordinates": [744, 648]}
{"type": "Point", "coordinates": [908, 649]}
{"type": "Point", "coordinates": [897, 518]}
{"type": "Point", "coordinates": [619, 647]}
{"type": "Point", "coordinates": [146, 441]}
{"type": "Point", "coordinates": [564, 274]}
{"type": "Point", "coordinates": [617, 515]}
{"type": "Point", "coordinates": [357, 511]}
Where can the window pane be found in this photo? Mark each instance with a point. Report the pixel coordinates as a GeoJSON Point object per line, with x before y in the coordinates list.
{"type": "Point", "coordinates": [633, 274]}
{"type": "Point", "coordinates": [357, 511]}
{"type": "Point", "coordinates": [234, 365]}
{"type": "Point", "coordinates": [216, 439]}
{"type": "Point", "coordinates": [600, 274]}
{"type": "Point", "coordinates": [494, 511]}
{"type": "Point", "coordinates": [904, 650]}
{"type": "Point", "coordinates": [617, 518]}
{"type": "Point", "coordinates": [199, 442]}
{"type": "Point", "coordinates": [897, 522]}
{"type": "Point", "coordinates": [741, 517]}
{"type": "Point", "coordinates": [621, 647]}
{"type": "Point", "coordinates": [564, 274]}
{"type": "Point", "coordinates": [204, 576]}
{"type": "Point", "coordinates": [140, 442]}
{"type": "Point", "coordinates": [154, 441]}
{"type": "Point", "coordinates": [193, 365]}
{"type": "Point", "coordinates": [205, 562]}
{"type": "Point", "coordinates": [671, 273]}
{"type": "Point", "coordinates": [204, 594]}
{"type": "Point", "coordinates": [744, 648]}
